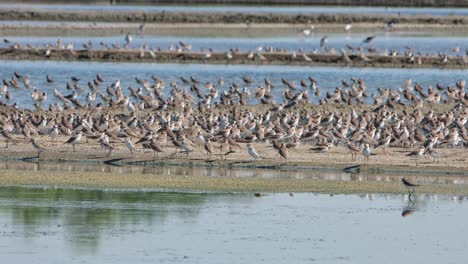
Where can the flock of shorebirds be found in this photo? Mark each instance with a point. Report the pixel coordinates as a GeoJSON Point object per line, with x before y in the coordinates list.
{"type": "Point", "coordinates": [219, 117]}
{"type": "Point", "coordinates": [363, 51]}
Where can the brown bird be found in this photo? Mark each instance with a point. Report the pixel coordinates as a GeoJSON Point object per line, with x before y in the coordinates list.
{"type": "Point", "coordinates": [37, 147]}
{"type": "Point", "coordinates": [7, 137]}
{"type": "Point", "coordinates": [151, 144]}
{"type": "Point", "coordinates": [354, 150]}
{"type": "Point", "coordinates": [283, 151]}
{"type": "Point", "coordinates": [208, 148]}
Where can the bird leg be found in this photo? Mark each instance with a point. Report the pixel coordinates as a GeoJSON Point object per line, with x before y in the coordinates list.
{"type": "Point", "coordinates": [409, 199]}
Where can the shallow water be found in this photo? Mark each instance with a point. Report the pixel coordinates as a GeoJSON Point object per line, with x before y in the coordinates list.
{"type": "Point", "coordinates": [87, 226]}
{"type": "Point", "coordinates": [328, 77]}
{"type": "Point", "coordinates": [261, 9]}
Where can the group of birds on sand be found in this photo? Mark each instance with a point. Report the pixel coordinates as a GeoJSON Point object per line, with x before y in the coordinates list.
{"type": "Point", "coordinates": [364, 50]}
{"type": "Point", "coordinates": [191, 113]}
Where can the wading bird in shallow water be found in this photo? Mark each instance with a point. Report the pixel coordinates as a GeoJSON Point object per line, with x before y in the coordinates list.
{"type": "Point", "coordinates": [409, 185]}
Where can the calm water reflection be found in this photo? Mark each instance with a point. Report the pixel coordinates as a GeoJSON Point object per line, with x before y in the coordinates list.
{"type": "Point", "coordinates": [86, 226]}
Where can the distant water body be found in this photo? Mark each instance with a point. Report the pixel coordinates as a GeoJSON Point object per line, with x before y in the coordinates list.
{"type": "Point", "coordinates": [247, 9]}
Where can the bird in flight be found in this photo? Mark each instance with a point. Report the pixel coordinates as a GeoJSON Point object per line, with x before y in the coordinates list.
{"type": "Point", "coordinates": [368, 39]}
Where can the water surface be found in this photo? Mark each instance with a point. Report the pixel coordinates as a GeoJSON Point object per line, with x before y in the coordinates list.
{"type": "Point", "coordinates": [88, 226]}
{"type": "Point", "coordinates": [247, 9]}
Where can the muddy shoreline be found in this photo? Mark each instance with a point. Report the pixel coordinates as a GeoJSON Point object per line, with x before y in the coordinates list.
{"type": "Point", "coordinates": [194, 183]}
{"type": "Point", "coordinates": [394, 161]}
{"type": "Point", "coordinates": [274, 58]}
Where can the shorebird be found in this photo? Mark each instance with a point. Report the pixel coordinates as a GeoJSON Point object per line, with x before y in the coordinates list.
{"type": "Point", "coordinates": [348, 27]}
{"type": "Point", "coordinates": [74, 140]}
{"type": "Point", "coordinates": [105, 145]}
{"type": "Point", "coordinates": [324, 42]}
{"type": "Point", "coordinates": [151, 144]}
{"type": "Point", "coordinates": [208, 147]}
{"type": "Point", "coordinates": [37, 147]}
{"type": "Point", "coordinates": [409, 185]}
{"type": "Point", "coordinates": [8, 137]}
{"type": "Point", "coordinates": [417, 154]}
{"type": "Point", "coordinates": [354, 150]}
{"type": "Point", "coordinates": [368, 39]}
{"type": "Point", "coordinates": [283, 151]}
{"type": "Point", "coordinates": [252, 152]}
{"type": "Point", "coordinates": [130, 145]}
{"type": "Point", "coordinates": [366, 152]}
{"type": "Point", "coordinates": [128, 39]}
{"type": "Point", "coordinates": [146, 138]}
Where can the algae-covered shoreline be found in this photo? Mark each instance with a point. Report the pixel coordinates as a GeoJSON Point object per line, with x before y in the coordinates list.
{"type": "Point", "coordinates": [193, 183]}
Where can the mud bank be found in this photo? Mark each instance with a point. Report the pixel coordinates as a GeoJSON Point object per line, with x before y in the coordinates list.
{"type": "Point", "coordinates": [217, 184]}
{"type": "Point", "coordinates": [273, 58]}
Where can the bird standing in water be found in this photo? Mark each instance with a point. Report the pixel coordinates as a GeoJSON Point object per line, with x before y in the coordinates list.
{"type": "Point", "coordinates": [324, 42]}
{"type": "Point", "coordinates": [128, 40]}
{"type": "Point", "coordinates": [409, 185]}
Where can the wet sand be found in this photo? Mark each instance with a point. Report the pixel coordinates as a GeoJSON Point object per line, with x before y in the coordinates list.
{"type": "Point", "coordinates": [451, 161]}
{"type": "Point", "coordinates": [273, 58]}
{"type": "Point", "coordinates": [211, 184]}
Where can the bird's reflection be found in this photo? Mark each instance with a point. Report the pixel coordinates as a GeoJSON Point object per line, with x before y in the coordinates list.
{"type": "Point", "coordinates": [410, 208]}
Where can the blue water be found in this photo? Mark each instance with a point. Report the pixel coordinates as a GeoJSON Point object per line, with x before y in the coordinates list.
{"type": "Point", "coordinates": [263, 9]}
{"type": "Point", "coordinates": [85, 226]}
{"type": "Point", "coordinates": [328, 77]}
